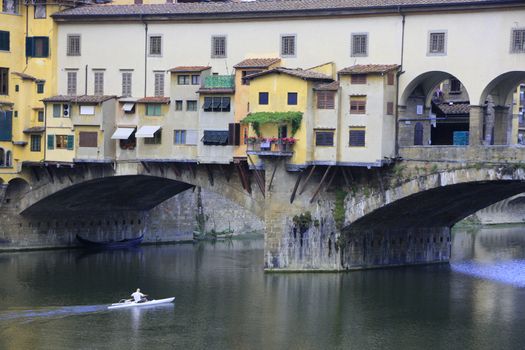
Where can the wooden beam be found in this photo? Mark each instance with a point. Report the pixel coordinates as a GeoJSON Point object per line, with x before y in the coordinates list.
{"type": "Point", "coordinates": [331, 179]}
{"type": "Point", "coordinates": [161, 168]}
{"type": "Point", "coordinates": [345, 177]}
{"type": "Point", "coordinates": [226, 171]}
{"type": "Point", "coordinates": [258, 178]}
{"type": "Point", "coordinates": [320, 184]}
{"type": "Point", "coordinates": [381, 185]}
{"type": "Point", "coordinates": [192, 170]}
{"type": "Point", "coordinates": [292, 197]}
{"type": "Point", "coordinates": [209, 170]}
{"type": "Point", "coordinates": [35, 173]}
{"type": "Point", "coordinates": [175, 169]}
{"type": "Point", "coordinates": [303, 187]}
{"type": "Point", "coordinates": [145, 165]}
{"type": "Point", "coordinates": [273, 175]}
{"type": "Point", "coordinates": [244, 177]}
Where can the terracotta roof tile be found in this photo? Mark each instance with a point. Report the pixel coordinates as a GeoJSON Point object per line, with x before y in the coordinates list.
{"type": "Point", "coordinates": [154, 99]}
{"type": "Point", "coordinates": [257, 62]}
{"type": "Point", "coordinates": [368, 68]}
{"type": "Point", "coordinates": [215, 91]}
{"type": "Point", "coordinates": [333, 86]}
{"type": "Point", "coordinates": [34, 130]}
{"type": "Point", "coordinates": [189, 69]}
{"type": "Point", "coordinates": [24, 76]}
{"type": "Point", "coordinates": [454, 108]}
{"type": "Point", "coordinates": [79, 99]}
{"type": "Point", "coordinates": [299, 73]}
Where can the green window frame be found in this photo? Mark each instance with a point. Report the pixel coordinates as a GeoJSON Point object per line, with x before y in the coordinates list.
{"type": "Point", "coordinates": [153, 109]}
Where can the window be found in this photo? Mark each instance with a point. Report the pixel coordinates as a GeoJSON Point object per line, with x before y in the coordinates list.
{"type": "Point", "coordinates": [10, 6]}
{"type": "Point", "coordinates": [153, 109]}
{"type": "Point", "coordinates": [325, 99]}
{"type": "Point", "coordinates": [57, 111]}
{"type": "Point", "coordinates": [324, 138]}
{"type": "Point", "coordinates": [64, 141]}
{"type": "Point", "coordinates": [71, 83]}
{"type": "Point", "coordinates": [455, 86]}
{"type": "Point", "coordinates": [178, 105]}
{"type": "Point", "coordinates": [358, 79]}
{"type": "Point", "coordinates": [216, 104]}
{"type": "Point", "coordinates": [288, 45]}
{"type": "Point", "coordinates": [36, 143]}
{"type": "Point", "coordinates": [437, 43]}
{"type": "Point", "coordinates": [40, 116]}
{"type": "Point", "coordinates": [263, 98]}
{"type": "Point", "coordinates": [292, 98]}
{"type": "Point", "coordinates": [155, 45]}
{"type": "Point", "coordinates": [390, 78]}
{"type": "Point", "coordinates": [359, 45]}
{"type": "Point", "coordinates": [4, 81]}
{"type": "Point", "coordinates": [183, 79]}
{"type": "Point", "coordinates": [86, 110]}
{"type": "Point", "coordinates": [155, 140]}
{"type": "Point", "coordinates": [195, 79]}
{"type": "Point", "coordinates": [357, 104]}
{"type": "Point", "coordinates": [126, 84]}
{"type": "Point", "coordinates": [4, 40]}
{"type": "Point", "coordinates": [159, 84]}
{"type": "Point", "coordinates": [390, 108]}
{"type": "Point", "coordinates": [179, 137]}
{"type": "Point", "coordinates": [518, 41]}
{"type": "Point", "coordinates": [73, 45]}
{"type": "Point", "coordinates": [87, 139]}
{"type": "Point", "coordinates": [357, 137]}
{"type": "Point", "coordinates": [218, 46]}
{"type": "Point", "coordinates": [39, 87]}
{"type": "Point", "coordinates": [99, 83]}
{"type": "Point", "coordinates": [6, 126]}
{"type": "Point", "coordinates": [37, 46]}
{"type": "Point", "coordinates": [40, 9]}
{"type": "Point", "coordinates": [191, 105]}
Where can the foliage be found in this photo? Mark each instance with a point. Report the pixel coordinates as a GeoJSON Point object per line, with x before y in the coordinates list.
{"type": "Point", "coordinates": [258, 118]}
{"type": "Point", "coordinates": [303, 221]}
{"type": "Point", "coordinates": [282, 141]}
{"type": "Point", "coordinates": [339, 209]}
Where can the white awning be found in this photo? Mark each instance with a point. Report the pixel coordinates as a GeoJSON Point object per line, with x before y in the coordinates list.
{"type": "Point", "coordinates": [147, 131]}
{"type": "Point", "coordinates": [127, 107]}
{"type": "Point", "coordinates": [122, 133]}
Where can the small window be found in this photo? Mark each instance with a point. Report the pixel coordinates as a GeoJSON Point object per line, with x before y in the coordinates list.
{"type": "Point", "coordinates": [63, 141]}
{"type": "Point", "coordinates": [57, 111]}
{"type": "Point", "coordinates": [357, 104]}
{"type": "Point", "coordinates": [159, 84]}
{"type": "Point", "coordinates": [437, 43]}
{"type": "Point", "coordinates": [99, 83]}
{"type": "Point", "coordinates": [36, 143]}
{"type": "Point", "coordinates": [359, 45]}
{"type": "Point", "coordinates": [183, 79]}
{"type": "Point", "coordinates": [87, 139]}
{"type": "Point", "coordinates": [325, 100]}
{"type": "Point", "coordinates": [207, 106]}
{"type": "Point", "coordinates": [390, 108]}
{"type": "Point", "coordinates": [358, 79]}
{"type": "Point", "coordinates": [155, 45]}
{"type": "Point", "coordinates": [71, 83]}
{"type": "Point", "coordinates": [518, 41]}
{"type": "Point", "coordinates": [40, 116]}
{"type": "Point", "coordinates": [87, 110]}
{"type": "Point", "coordinates": [292, 98]}
{"type": "Point", "coordinates": [218, 46]}
{"type": "Point", "coordinates": [153, 109]}
{"type": "Point", "coordinates": [10, 6]}
{"type": "Point", "coordinates": [178, 105]}
{"type": "Point", "coordinates": [195, 79]}
{"type": "Point", "coordinates": [126, 84]}
{"type": "Point", "coordinates": [155, 140]}
{"type": "Point", "coordinates": [216, 104]}
{"type": "Point", "coordinates": [4, 40]}
{"type": "Point", "coordinates": [263, 98]}
{"type": "Point", "coordinates": [40, 87]}
{"type": "Point", "coordinates": [357, 137]}
{"type": "Point", "coordinates": [4, 81]}
{"type": "Point", "coordinates": [390, 77]}
{"type": "Point", "coordinates": [179, 137]}
{"type": "Point", "coordinates": [73, 45]}
{"type": "Point", "coordinates": [288, 48]}
{"type": "Point", "coordinates": [324, 138]}
{"type": "Point", "coordinates": [40, 9]}
{"type": "Point", "coordinates": [191, 105]}
{"type": "Point", "coordinates": [455, 86]}
{"type": "Point", "coordinates": [37, 46]}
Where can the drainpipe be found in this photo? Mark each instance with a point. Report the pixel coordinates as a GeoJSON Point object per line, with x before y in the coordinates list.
{"type": "Point", "coordinates": [145, 55]}
{"type": "Point", "coordinates": [85, 79]}
{"type": "Point", "coordinates": [398, 74]}
{"type": "Point", "coordinates": [27, 30]}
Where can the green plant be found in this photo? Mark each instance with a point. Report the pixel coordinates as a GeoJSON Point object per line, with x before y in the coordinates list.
{"type": "Point", "coordinates": [303, 221]}
{"type": "Point", "coordinates": [258, 118]}
{"type": "Point", "coordinates": [339, 209]}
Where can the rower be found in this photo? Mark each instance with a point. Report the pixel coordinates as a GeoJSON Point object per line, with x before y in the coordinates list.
{"type": "Point", "coordinates": [138, 297]}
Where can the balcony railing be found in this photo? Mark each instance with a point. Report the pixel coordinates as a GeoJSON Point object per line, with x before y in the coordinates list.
{"type": "Point", "coordinates": [277, 147]}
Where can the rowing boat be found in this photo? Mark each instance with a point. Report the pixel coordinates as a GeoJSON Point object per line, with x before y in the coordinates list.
{"type": "Point", "coordinates": [128, 303]}
{"type": "Point", "coordinates": [124, 243]}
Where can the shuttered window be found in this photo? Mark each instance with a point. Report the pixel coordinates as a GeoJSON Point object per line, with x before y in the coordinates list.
{"type": "Point", "coordinates": [37, 46]}
{"type": "Point", "coordinates": [36, 143]}
{"type": "Point", "coordinates": [357, 137]}
{"type": "Point", "coordinates": [390, 78]}
{"type": "Point", "coordinates": [357, 104]}
{"type": "Point", "coordinates": [87, 139]}
{"type": "Point", "coordinates": [436, 43]}
{"type": "Point", "coordinates": [153, 109]}
{"type": "Point", "coordinates": [6, 125]}
{"type": "Point", "coordinates": [234, 134]}
{"type": "Point", "coordinates": [64, 142]}
{"type": "Point", "coordinates": [218, 46]}
{"type": "Point", "coordinates": [358, 79]}
{"type": "Point", "coordinates": [40, 9]}
{"type": "Point", "coordinates": [4, 81]}
{"type": "Point", "coordinates": [325, 99]}
{"type": "Point", "coordinates": [73, 45]}
{"type": "Point", "coordinates": [518, 41]}
{"type": "Point", "coordinates": [288, 47]}
{"type": "Point", "coordinates": [99, 83]}
{"type": "Point", "coordinates": [71, 83]}
{"type": "Point", "coordinates": [4, 40]}
{"type": "Point", "coordinates": [155, 45]}
{"type": "Point", "coordinates": [126, 84]}
{"type": "Point", "coordinates": [216, 104]}
{"type": "Point", "coordinates": [159, 84]}
{"type": "Point", "coordinates": [179, 137]}
{"type": "Point", "coordinates": [192, 137]}
{"type": "Point", "coordinates": [359, 45]}
{"type": "Point", "coordinates": [50, 141]}
{"type": "Point", "coordinates": [324, 138]}
{"type": "Point", "coordinates": [390, 108]}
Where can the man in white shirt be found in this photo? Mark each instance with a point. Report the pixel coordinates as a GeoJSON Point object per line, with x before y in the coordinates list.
{"type": "Point", "coordinates": [138, 297]}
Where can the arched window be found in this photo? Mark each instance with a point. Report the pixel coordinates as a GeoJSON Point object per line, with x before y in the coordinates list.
{"type": "Point", "coordinates": [8, 159]}
{"type": "Point", "coordinates": [2, 157]}
{"type": "Point", "coordinates": [418, 134]}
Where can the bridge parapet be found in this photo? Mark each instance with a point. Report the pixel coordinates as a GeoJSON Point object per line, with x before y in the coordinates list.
{"type": "Point", "coordinates": [464, 154]}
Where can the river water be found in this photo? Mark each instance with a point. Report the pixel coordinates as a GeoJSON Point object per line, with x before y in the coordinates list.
{"type": "Point", "coordinates": [58, 299]}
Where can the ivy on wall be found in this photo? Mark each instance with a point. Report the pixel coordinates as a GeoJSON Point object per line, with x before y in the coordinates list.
{"type": "Point", "coordinates": [258, 118]}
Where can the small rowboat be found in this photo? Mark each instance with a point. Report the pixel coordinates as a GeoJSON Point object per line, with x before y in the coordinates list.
{"type": "Point", "coordinates": [125, 243]}
{"type": "Point", "coordinates": [128, 303]}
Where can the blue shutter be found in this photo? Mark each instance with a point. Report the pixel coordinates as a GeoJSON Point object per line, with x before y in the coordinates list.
{"type": "Point", "coordinates": [50, 141]}
{"type": "Point", "coordinates": [29, 47]}
{"type": "Point", "coordinates": [45, 44]}
{"type": "Point", "coordinates": [70, 142]}
{"type": "Point", "coordinates": [6, 125]}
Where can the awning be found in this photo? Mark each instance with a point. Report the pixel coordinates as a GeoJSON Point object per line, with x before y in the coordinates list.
{"type": "Point", "coordinates": [34, 130]}
{"type": "Point", "coordinates": [215, 137]}
{"type": "Point", "coordinates": [122, 133]}
{"type": "Point", "coordinates": [147, 131]}
{"type": "Point", "coordinates": [128, 107]}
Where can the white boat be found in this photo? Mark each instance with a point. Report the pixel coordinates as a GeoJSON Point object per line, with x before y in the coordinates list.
{"type": "Point", "coordinates": [129, 303]}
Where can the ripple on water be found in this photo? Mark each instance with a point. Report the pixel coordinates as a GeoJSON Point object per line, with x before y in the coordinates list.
{"type": "Point", "coordinates": [510, 272]}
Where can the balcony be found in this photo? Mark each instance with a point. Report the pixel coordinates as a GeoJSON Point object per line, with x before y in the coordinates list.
{"type": "Point", "coordinates": [270, 147]}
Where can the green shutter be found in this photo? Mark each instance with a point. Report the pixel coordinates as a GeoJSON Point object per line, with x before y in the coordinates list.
{"type": "Point", "coordinates": [50, 141]}
{"type": "Point", "coordinates": [70, 142]}
{"type": "Point", "coordinates": [29, 47]}
{"type": "Point", "coordinates": [45, 50]}
{"type": "Point", "coordinates": [4, 40]}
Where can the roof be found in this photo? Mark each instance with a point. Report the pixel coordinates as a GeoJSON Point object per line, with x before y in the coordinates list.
{"type": "Point", "coordinates": [333, 86]}
{"type": "Point", "coordinates": [189, 69]}
{"type": "Point", "coordinates": [6, 103]}
{"type": "Point", "coordinates": [79, 99]}
{"type": "Point", "coordinates": [257, 63]}
{"type": "Point", "coordinates": [34, 130]}
{"type": "Point", "coordinates": [451, 108]}
{"type": "Point", "coordinates": [217, 84]}
{"type": "Point", "coordinates": [25, 76]}
{"type": "Point", "coordinates": [271, 8]}
{"type": "Point", "coordinates": [154, 99]}
{"type": "Point", "coordinates": [368, 68]}
{"type": "Point", "coordinates": [298, 72]}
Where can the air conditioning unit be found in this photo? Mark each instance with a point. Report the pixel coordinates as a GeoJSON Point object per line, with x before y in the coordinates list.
{"type": "Point", "coordinates": [66, 110]}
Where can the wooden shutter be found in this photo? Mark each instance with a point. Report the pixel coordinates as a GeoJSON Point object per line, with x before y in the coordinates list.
{"type": "Point", "coordinates": [6, 125]}
{"type": "Point", "coordinates": [87, 139]}
{"type": "Point", "coordinates": [50, 141]}
{"type": "Point", "coordinates": [234, 134]}
{"type": "Point", "coordinates": [357, 137]}
{"type": "Point", "coordinates": [358, 78]}
{"type": "Point", "coordinates": [70, 142]}
{"type": "Point", "coordinates": [29, 46]}
{"type": "Point", "coordinates": [4, 40]}
{"type": "Point", "coordinates": [192, 137]}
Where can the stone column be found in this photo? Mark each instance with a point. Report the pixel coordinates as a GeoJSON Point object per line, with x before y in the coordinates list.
{"type": "Point", "coordinates": [476, 125]}
{"type": "Point", "coordinates": [502, 125]}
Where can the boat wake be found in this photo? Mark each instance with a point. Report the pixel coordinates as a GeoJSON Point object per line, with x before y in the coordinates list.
{"type": "Point", "coordinates": [50, 312]}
